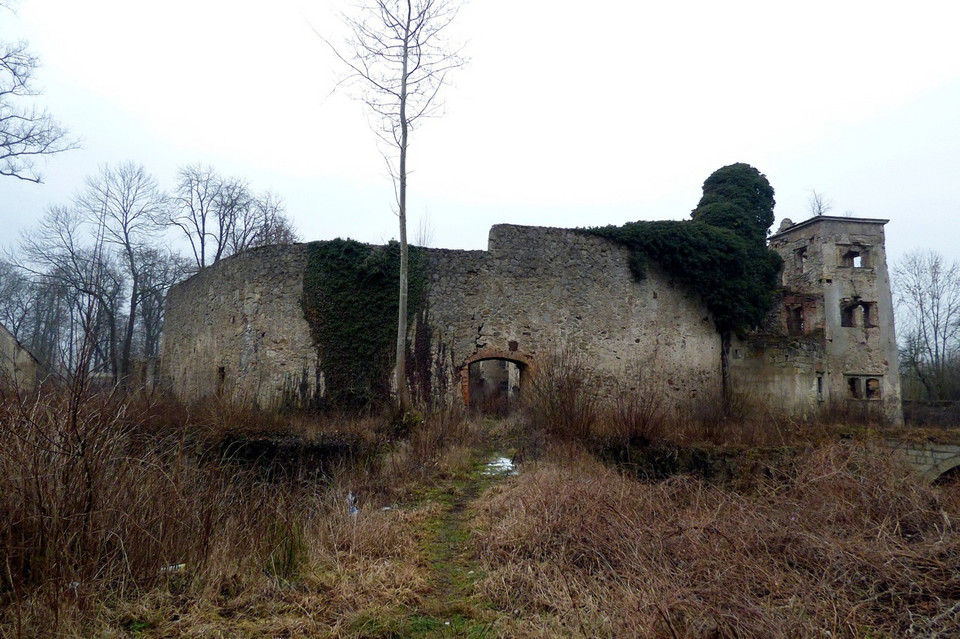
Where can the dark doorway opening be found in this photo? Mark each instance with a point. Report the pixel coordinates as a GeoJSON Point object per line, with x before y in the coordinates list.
{"type": "Point", "coordinates": [494, 386]}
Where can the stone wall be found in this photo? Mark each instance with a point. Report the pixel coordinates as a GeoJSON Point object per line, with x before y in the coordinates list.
{"type": "Point", "coordinates": [18, 368]}
{"type": "Point", "coordinates": [929, 459]}
{"type": "Point", "coordinates": [538, 292]}
{"type": "Point", "coordinates": [237, 330]}
{"type": "Point", "coordinates": [830, 337]}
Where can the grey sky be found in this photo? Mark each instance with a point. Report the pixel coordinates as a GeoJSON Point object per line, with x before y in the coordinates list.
{"type": "Point", "coordinates": [566, 115]}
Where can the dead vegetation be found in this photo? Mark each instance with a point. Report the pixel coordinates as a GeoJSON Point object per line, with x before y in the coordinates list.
{"type": "Point", "coordinates": [840, 545]}
{"type": "Point", "coordinates": [129, 517]}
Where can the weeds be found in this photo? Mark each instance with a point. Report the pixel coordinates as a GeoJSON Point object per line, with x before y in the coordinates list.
{"type": "Point", "coordinates": [841, 544]}
{"type": "Point", "coordinates": [123, 517]}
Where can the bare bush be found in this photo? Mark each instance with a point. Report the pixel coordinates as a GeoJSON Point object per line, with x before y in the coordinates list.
{"type": "Point", "coordinates": [843, 542]}
{"type": "Point", "coordinates": [563, 401]}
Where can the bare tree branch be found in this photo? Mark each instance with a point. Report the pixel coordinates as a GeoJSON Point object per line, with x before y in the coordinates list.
{"type": "Point", "coordinates": [26, 133]}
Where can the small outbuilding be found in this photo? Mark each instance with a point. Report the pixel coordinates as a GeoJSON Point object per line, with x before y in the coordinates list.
{"type": "Point", "coordinates": [18, 367]}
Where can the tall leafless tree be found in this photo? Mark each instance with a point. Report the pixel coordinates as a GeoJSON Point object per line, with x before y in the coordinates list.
{"type": "Point", "coordinates": [26, 132]}
{"type": "Point", "coordinates": [64, 254]}
{"type": "Point", "coordinates": [927, 290]}
{"type": "Point", "coordinates": [129, 206]}
{"type": "Point", "coordinates": [398, 58]}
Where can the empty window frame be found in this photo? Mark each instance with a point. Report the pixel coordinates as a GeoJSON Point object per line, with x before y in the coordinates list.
{"type": "Point", "coordinates": [855, 256]}
{"type": "Point", "coordinates": [801, 262]}
{"type": "Point", "coordinates": [795, 320]}
{"type": "Point", "coordinates": [866, 387]}
{"type": "Point", "coordinates": [857, 314]}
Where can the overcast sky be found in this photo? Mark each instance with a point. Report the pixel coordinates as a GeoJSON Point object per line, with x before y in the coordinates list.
{"type": "Point", "coordinates": [568, 114]}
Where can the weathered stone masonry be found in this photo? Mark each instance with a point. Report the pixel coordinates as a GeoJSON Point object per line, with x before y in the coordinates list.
{"type": "Point", "coordinates": [237, 331]}
{"type": "Point", "coordinates": [18, 367]}
{"type": "Point", "coordinates": [830, 340]}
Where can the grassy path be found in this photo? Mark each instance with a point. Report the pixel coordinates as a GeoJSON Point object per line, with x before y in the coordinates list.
{"type": "Point", "coordinates": [451, 607]}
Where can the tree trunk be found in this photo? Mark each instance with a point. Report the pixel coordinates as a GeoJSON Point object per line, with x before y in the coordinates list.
{"type": "Point", "coordinates": [403, 393]}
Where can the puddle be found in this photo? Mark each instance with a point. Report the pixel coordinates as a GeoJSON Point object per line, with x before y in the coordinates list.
{"type": "Point", "coordinates": [500, 466]}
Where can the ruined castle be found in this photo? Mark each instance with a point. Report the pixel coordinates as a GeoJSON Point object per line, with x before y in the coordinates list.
{"type": "Point", "coordinates": [237, 330]}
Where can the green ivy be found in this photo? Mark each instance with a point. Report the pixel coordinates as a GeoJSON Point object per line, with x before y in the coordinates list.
{"type": "Point", "coordinates": [732, 275]}
{"type": "Point", "coordinates": [351, 300]}
{"type": "Point", "coordinates": [722, 253]}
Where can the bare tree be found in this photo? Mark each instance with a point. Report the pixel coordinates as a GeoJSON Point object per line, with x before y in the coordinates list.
{"type": "Point", "coordinates": [220, 216]}
{"type": "Point", "coordinates": [194, 212]}
{"type": "Point", "coordinates": [398, 58]}
{"type": "Point", "coordinates": [927, 290]}
{"type": "Point", "coordinates": [69, 260]}
{"type": "Point", "coordinates": [129, 206]}
{"type": "Point", "coordinates": [26, 133]}
{"type": "Point", "coordinates": [260, 222]}
{"type": "Point", "coordinates": [160, 269]}
{"type": "Point", "coordinates": [818, 204]}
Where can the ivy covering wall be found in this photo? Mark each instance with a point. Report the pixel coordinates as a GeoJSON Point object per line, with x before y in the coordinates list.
{"type": "Point", "coordinates": [721, 253]}
{"type": "Point", "coordinates": [350, 301]}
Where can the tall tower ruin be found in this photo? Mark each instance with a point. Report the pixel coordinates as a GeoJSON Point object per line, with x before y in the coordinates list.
{"type": "Point", "coordinates": [831, 339]}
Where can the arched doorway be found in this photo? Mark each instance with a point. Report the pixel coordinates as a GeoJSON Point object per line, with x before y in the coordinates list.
{"type": "Point", "coordinates": [494, 386]}
{"type": "Point", "coordinates": [493, 381]}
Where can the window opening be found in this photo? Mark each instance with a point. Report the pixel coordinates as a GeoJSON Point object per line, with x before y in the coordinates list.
{"type": "Point", "coordinates": [819, 388]}
{"type": "Point", "coordinates": [856, 257]}
{"type": "Point", "coordinates": [855, 389]}
{"type": "Point", "coordinates": [802, 260]}
{"type": "Point", "coordinates": [866, 387]}
{"type": "Point", "coordinates": [795, 321]}
{"type": "Point", "coordinates": [859, 314]}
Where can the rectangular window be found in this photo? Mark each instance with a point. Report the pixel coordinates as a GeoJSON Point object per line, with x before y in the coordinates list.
{"type": "Point", "coordinates": [795, 320]}
{"type": "Point", "coordinates": [854, 256]}
{"type": "Point", "coordinates": [854, 388]}
{"type": "Point", "coordinates": [858, 314]}
{"type": "Point", "coordinates": [866, 387]}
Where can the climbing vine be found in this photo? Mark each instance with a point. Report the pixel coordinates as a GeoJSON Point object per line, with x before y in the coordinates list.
{"type": "Point", "coordinates": [734, 278]}
{"type": "Point", "coordinates": [350, 301]}
{"type": "Point", "coordinates": [721, 253]}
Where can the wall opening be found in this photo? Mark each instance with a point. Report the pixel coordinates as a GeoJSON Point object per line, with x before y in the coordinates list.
{"type": "Point", "coordinates": [802, 259]}
{"type": "Point", "coordinates": [864, 387]}
{"type": "Point", "coordinates": [854, 257]}
{"type": "Point", "coordinates": [859, 315]}
{"type": "Point", "coordinates": [221, 378]}
{"type": "Point", "coordinates": [494, 386]}
{"type": "Point", "coordinates": [795, 320]}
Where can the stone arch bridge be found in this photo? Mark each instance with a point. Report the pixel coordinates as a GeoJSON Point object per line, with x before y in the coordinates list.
{"type": "Point", "coordinates": [930, 460]}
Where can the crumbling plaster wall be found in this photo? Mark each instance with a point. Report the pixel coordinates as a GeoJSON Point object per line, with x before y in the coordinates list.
{"type": "Point", "coordinates": [236, 330]}
{"type": "Point", "coordinates": [805, 367]}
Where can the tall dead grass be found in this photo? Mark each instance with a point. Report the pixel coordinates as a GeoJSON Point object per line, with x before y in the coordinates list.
{"type": "Point", "coordinates": [842, 544]}
{"type": "Point", "coordinates": [568, 402]}
{"type": "Point", "coordinates": [113, 508]}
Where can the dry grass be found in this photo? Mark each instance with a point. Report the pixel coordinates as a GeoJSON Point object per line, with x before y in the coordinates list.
{"type": "Point", "coordinates": [137, 518]}
{"type": "Point", "coordinates": [843, 544]}
{"type": "Point", "coordinates": [132, 516]}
